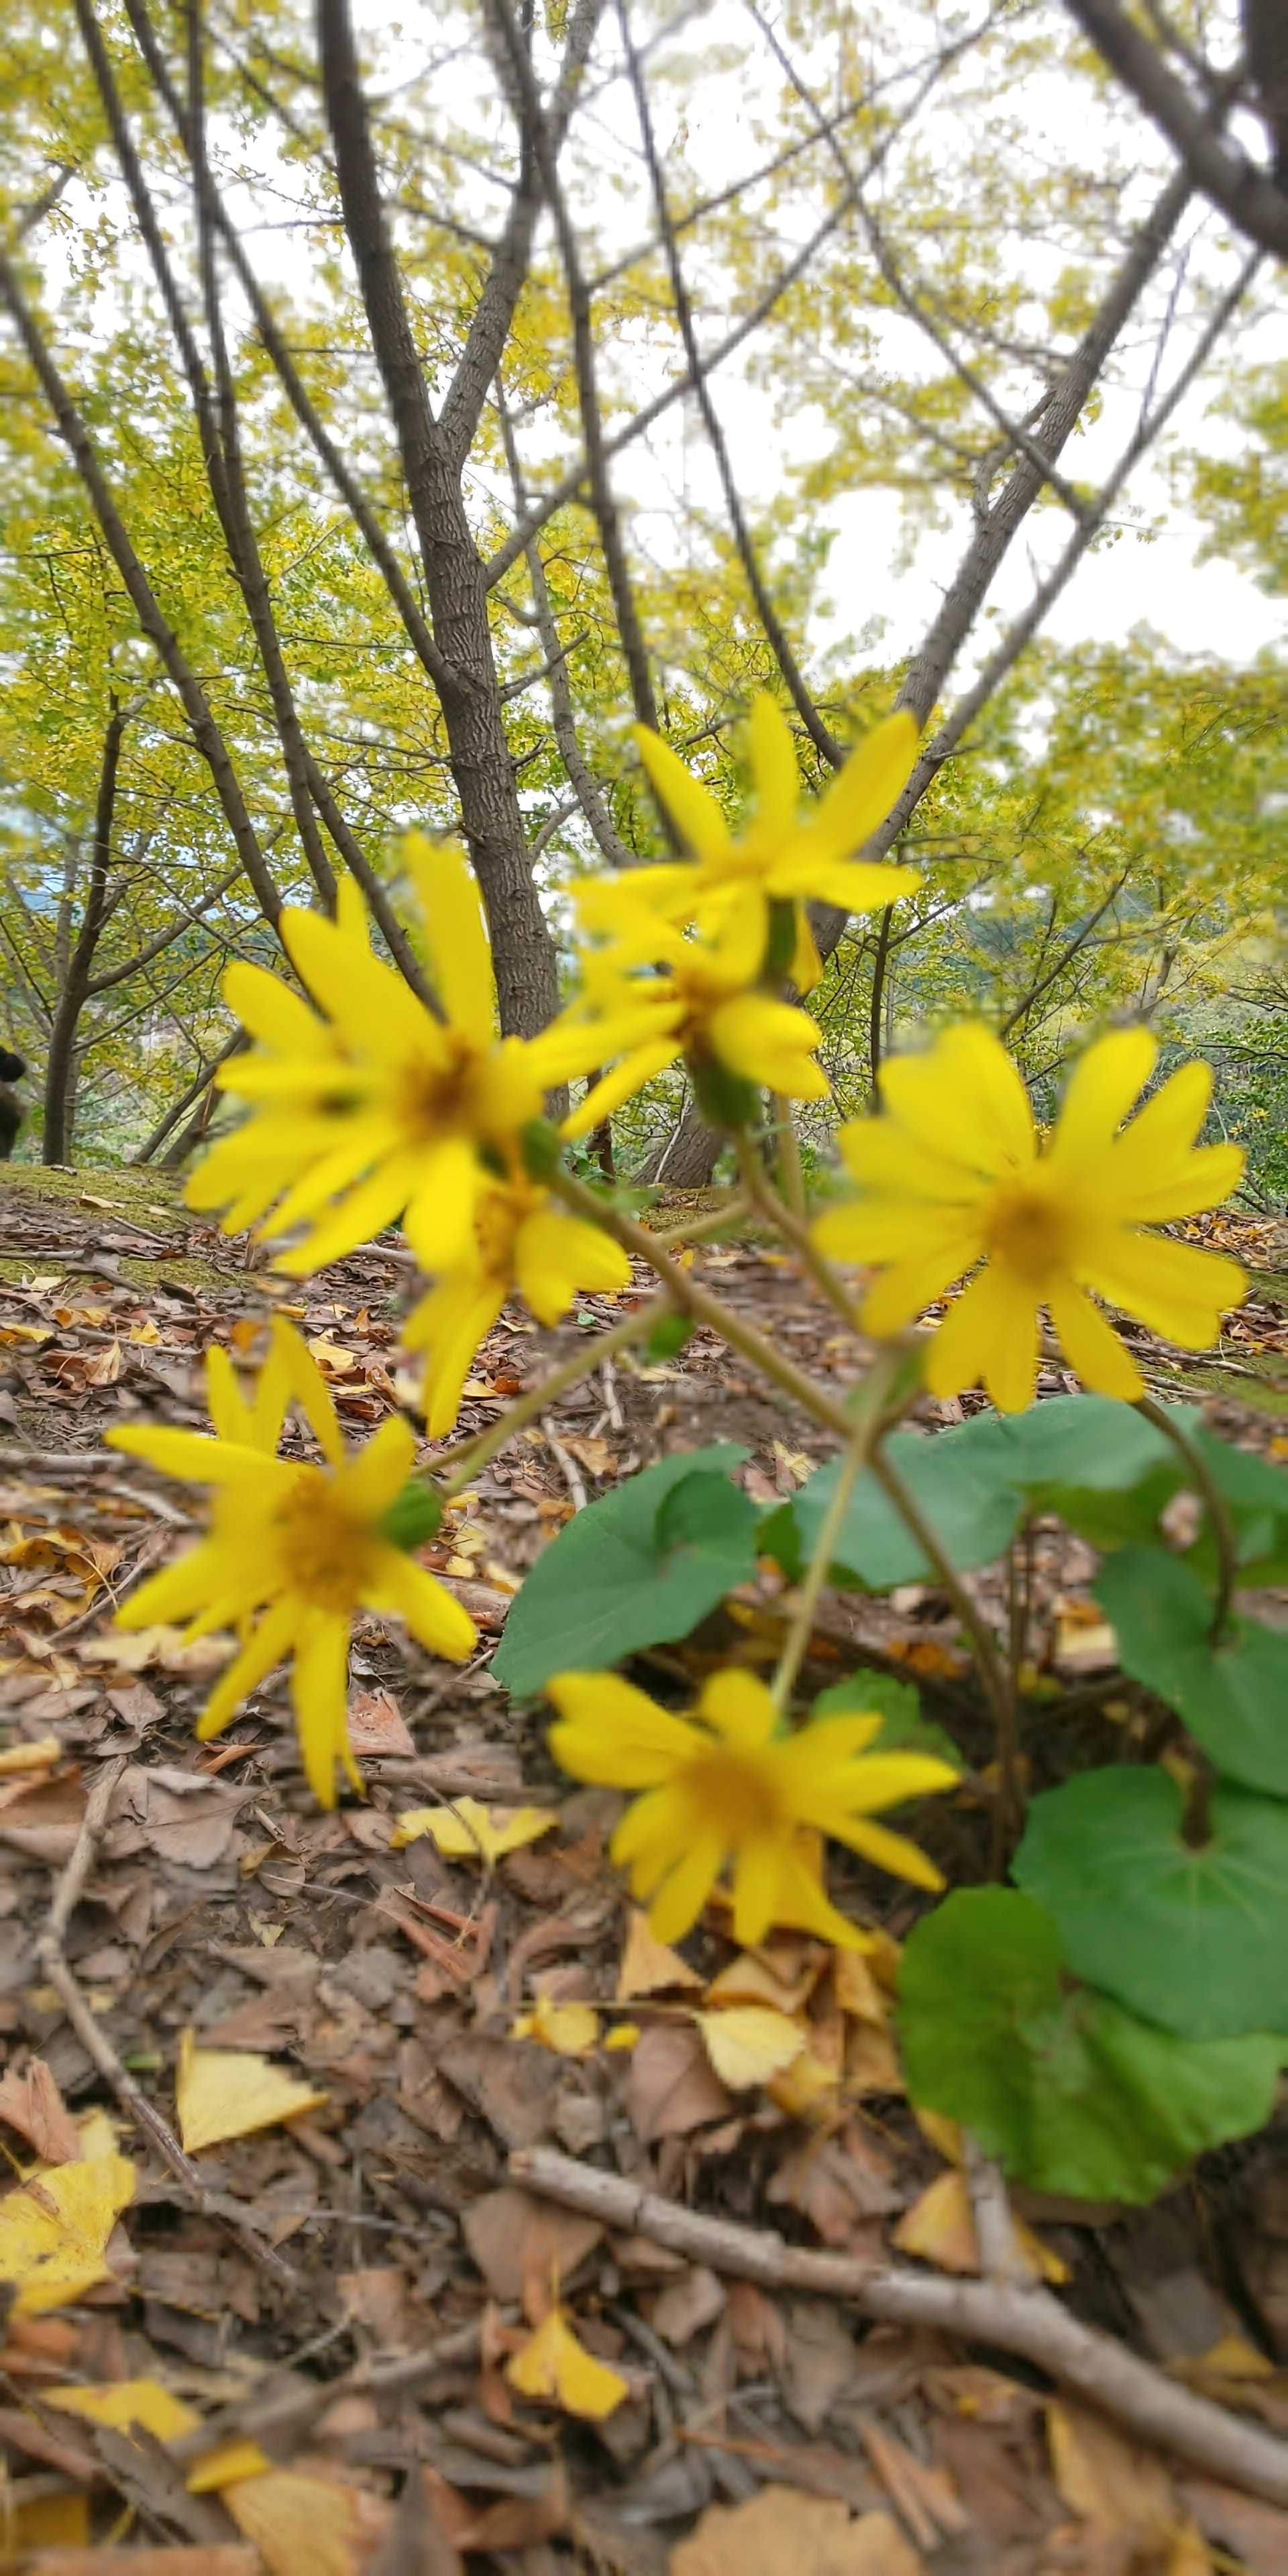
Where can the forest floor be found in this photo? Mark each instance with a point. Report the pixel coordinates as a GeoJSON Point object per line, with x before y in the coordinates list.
{"type": "Point", "coordinates": [350, 2286]}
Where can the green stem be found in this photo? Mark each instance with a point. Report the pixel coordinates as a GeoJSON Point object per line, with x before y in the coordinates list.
{"type": "Point", "coordinates": [761, 1191]}
{"type": "Point", "coordinates": [1009, 1805]}
{"type": "Point", "coordinates": [791, 1171]}
{"type": "Point", "coordinates": [686, 1293]}
{"type": "Point", "coordinates": [863, 1439]}
{"type": "Point", "coordinates": [1214, 1502]}
{"type": "Point", "coordinates": [466, 1462]}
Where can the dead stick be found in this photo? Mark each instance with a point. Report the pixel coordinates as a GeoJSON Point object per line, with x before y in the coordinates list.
{"type": "Point", "coordinates": [384, 2374]}
{"type": "Point", "coordinates": [51, 1959]}
{"type": "Point", "coordinates": [1028, 2322]}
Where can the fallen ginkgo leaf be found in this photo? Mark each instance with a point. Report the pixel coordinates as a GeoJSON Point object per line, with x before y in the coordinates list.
{"type": "Point", "coordinates": [298, 2522]}
{"type": "Point", "coordinates": [553, 2364]}
{"type": "Point", "coordinates": [749, 2043]}
{"type": "Point", "coordinates": [228, 2092]}
{"type": "Point", "coordinates": [122, 2403]}
{"type": "Point", "coordinates": [571, 2030]}
{"type": "Point", "coordinates": [54, 2231]}
{"type": "Point", "coordinates": [468, 1831]}
{"type": "Point", "coordinates": [940, 2228]}
{"type": "Point", "coordinates": [650, 1966]}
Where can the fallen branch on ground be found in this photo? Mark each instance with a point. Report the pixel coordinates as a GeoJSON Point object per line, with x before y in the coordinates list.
{"type": "Point", "coordinates": [1026, 2321]}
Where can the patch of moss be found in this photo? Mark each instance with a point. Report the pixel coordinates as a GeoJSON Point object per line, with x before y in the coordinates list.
{"type": "Point", "coordinates": [1264, 1391]}
{"type": "Point", "coordinates": [148, 1198]}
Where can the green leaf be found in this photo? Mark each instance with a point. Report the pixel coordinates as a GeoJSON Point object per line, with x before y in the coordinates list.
{"type": "Point", "coordinates": [642, 1564]}
{"type": "Point", "coordinates": [1103, 1469]}
{"type": "Point", "coordinates": [904, 1729]}
{"type": "Point", "coordinates": [956, 1482]}
{"type": "Point", "coordinates": [1196, 1939]}
{"type": "Point", "coordinates": [1233, 1697]}
{"type": "Point", "coordinates": [1069, 2091]}
{"type": "Point", "coordinates": [1257, 1496]}
{"type": "Point", "coordinates": [669, 1335]}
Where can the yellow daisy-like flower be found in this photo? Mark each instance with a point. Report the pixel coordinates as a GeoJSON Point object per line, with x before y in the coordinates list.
{"type": "Point", "coordinates": [954, 1172]}
{"type": "Point", "coordinates": [521, 1240]}
{"type": "Point", "coordinates": [366, 1108]}
{"type": "Point", "coordinates": [782, 856]}
{"type": "Point", "coordinates": [705, 1004]}
{"type": "Point", "coordinates": [293, 1550]}
{"type": "Point", "coordinates": [725, 1784]}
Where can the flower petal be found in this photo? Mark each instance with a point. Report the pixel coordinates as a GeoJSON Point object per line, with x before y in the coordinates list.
{"type": "Point", "coordinates": [1099, 1095]}
{"type": "Point", "coordinates": [775, 776]}
{"type": "Point", "coordinates": [692, 808]}
{"type": "Point", "coordinates": [966, 1085]}
{"type": "Point", "coordinates": [556, 1255]}
{"type": "Point", "coordinates": [626, 1078]}
{"type": "Point", "coordinates": [682, 1895]}
{"type": "Point", "coordinates": [614, 1735]}
{"type": "Point", "coordinates": [892, 1852]}
{"type": "Point", "coordinates": [274, 1013]}
{"type": "Point", "coordinates": [268, 1644]}
{"type": "Point", "coordinates": [433, 1614]}
{"type": "Point", "coordinates": [771, 1043]}
{"type": "Point", "coordinates": [738, 1706]}
{"type": "Point", "coordinates": [989, 1334]}
{"type": "Point", "coordinates": [320, 1691]}
{"type": "Point", "coordinates": [862, 794]}
{"type": "Point", "coordinates": [1174, 1288]}
{"type": "Point", "coordinates": [455, 933]}
{"type": "Point", "coordinates": [1091, 1345]}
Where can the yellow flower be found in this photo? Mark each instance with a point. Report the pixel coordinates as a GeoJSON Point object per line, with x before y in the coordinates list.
{"type": "Point", "coordinates": [725, 1784]}
{"type": "Point", "coordinates": [954, 1172]}
{"type": "Point", "coordinates": [782, 856]}
{"type": "Point", "coordinates": [293, 1550]}
{"type": "Point", "coordinates": [704, 1005]}
{"type": "Point", "coordinates": [366, 1108]}
{"type": "Point", "coordinates": [520, 1240]}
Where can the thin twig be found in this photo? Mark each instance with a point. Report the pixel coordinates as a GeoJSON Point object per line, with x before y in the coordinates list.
{"type": "Point", "coordinates": [51, 1959]}
{"type": "Point", "coordinates": [1000, 2258]}
{"type": "Point", "coordinates": [1224, 1534]}
{"type": "Point", "coordinates": [1027, 2322]}
{"type": "Point", "coordinates": [464, 1463]}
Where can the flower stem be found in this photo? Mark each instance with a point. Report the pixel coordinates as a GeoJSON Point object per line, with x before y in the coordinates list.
{"type": "Point", "coordinates": [871, 1427]}
{"type": "Point", "coordinates": [761, 1191]}
{"type": "Point", "coordinates": [1224, 1534]}
{"type": "Point", "coordinates": [465, 1462]}
{"type": "Point", "coordinates": [1008, 1809]}
{"type": "Point", "coordinates": [686, 1293]}
{"type": "Point", "coordinates": [791, 1172]}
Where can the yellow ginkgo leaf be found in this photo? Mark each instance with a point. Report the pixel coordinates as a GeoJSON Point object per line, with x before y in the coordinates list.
{"type": "Point", "coordinates": [54, 2231]}
{"type": "Point", "coordinates": [468, 1831]}
{"type": "Point", "coordinates": [650, 1966]}
{"type": "Point", "coordinates": [122, 2403]}
{"type": "Point", "coordinates": [808, 2090]}
{"type": "Point", "coordinates": [571, 2030]}
{"type": "Point", "coordinates": [52, 2522]}
{"type": "Point", "coordinates": [749, 2043]}
{"type": "Point", "coordinates": [226, 2466]}
{"type": "Point", "coordinates": [940, 2228]}
{"type": "Point", "coordinates": [553, 2364]}
{"type": "Point", "coordinates": [296, 2521]}
{"type": "Point", "coordinates": [623, 2035]}
{"type": "Point", "coordinates": [226, 2092]}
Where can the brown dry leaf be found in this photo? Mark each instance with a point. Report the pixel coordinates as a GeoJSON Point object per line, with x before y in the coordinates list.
{"type": "Point", "coordinates": [841, 2185]}
{"type": "Point", "coordinates": [43, 1817]}
{"type": "Point", "coordinates": [226, 2093]}
{"type": "Point", "coordinates": [672, 2086]}
{"type": "Point", "coordinates": [377, 1727]}
{"type": "Point", "coordinates": [323, 2524]}
{"type": "Point", "coordinates": [1254, 2533]}
{"type": "Point", "coordinates": [418, 2542]}
{"type": "Point", "coordinates": [32, 2104]}
{"type": "Point", "coordinates": [1113, 2484]}
{"type": "Point", "coordinates": [650, 1967]}
{"type": "Point", "coordinates": [927, 2498]}
{"type": "Point", "coordinates": [685, 2306]}
{"type": "Point", "coordinates": [520, 2245]}
{"type": "Point", "coordinates": [781, 2532]}
{"type": "Point", "coordinates": [782, 1975]}
{"type": "Point", "coordinates": [940, 2228]}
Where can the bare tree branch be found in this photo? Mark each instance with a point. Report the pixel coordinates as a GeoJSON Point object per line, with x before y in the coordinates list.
{"type": "Point", "coordinates": [1212, 162]}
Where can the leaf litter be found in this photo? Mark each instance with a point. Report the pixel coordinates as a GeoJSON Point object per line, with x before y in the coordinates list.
{"type": "Point", "coordinates": [322, 2006]}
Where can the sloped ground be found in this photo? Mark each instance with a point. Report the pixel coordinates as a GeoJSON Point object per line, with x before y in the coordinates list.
{"type": "Point", "coordinates": [362, 2277]}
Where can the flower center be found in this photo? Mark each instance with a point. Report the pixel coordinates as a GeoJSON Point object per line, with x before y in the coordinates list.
{"type": "Point", "coordinates": [737, 1791]}
{"type": "Point", "coordinates": [498, 1219]}
{"type": "Point", "coordinates": [435, 1099]}
{"type": "Point", "coordinates": [322, 1553]}
{"type": "Point", "coordinates": [1027, 1228]}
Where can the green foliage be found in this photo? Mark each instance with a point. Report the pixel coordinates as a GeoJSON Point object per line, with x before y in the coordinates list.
{"type": "Point", "coordinates": [1233, 1695]}
{"type": "Point", "coordinates": [904, 1727]}
{"type": "Point", "coordinates": [641, 1565]}
{"type": "Point", "coordinates": [1072, 2093]}
{"type": "Point", "coordinates": [1193, 1935]}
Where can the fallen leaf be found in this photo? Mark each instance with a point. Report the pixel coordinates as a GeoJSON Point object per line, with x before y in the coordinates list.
{"type": "Point", "coordinates": [30, 1757]}
{"type": "Point", "coordinates": [781, 2532]}
{"type": "Point", "coordinates": [940, 2228]}
{"type": "Point", "coordinates": [649, 1966]}
{"type": "Point", "coordinates": [226, 2093]}
{"type": "Point", "coordinates": [214, 2559]}
{"type": "Point", "coordinates": [32, 2104]}
{"type": "Point", "coordinates": [671, 2085]}
{"type": "Point", "coordinates": [54, 2231]}
{"type": "Point", "coordinates": [122, 2403]}
{"type": "Point", "coordinates": [571, 2030]}
{"type": "Point", "coordinates": [749, 2043]}
{"type": "Point", "coordinates": [51, 2524]}
{"type": "Point", "coordinates": [296, 2522]}
{"type": "Point", "coordinates": [468, 1831]}
{"type": "Point", "coordinates": [1114, 2484]}
{"type": "Point", "coordinates": [377, 1727]}
{"type": "Point", "coordinates": [553, 2364]}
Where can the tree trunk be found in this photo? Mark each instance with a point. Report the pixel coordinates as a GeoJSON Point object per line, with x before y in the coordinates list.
{"type": "Point", "coordinates": [61, 1068]}
{"type": "Point", "coordinates": [522, 949]}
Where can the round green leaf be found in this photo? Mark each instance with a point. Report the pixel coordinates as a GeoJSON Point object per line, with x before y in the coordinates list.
{"type": "Point", "coordinates": [1233, 1696]}
{"type": "Point", "coordinates": [1069, 2091]}
{"type": "Point", "coordinates": [904, 1727]}
{"type": "Point", "coordinates": [1194, 1939]}
{"type": "Point", "coordinates": [957, 1480]}
{"type": "Point", "coordinates": [642, 1564]}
